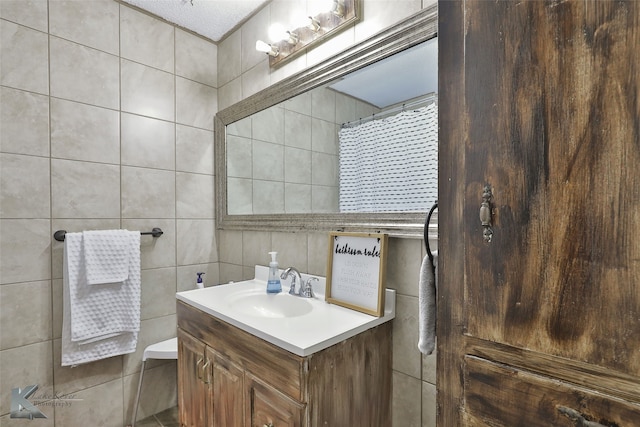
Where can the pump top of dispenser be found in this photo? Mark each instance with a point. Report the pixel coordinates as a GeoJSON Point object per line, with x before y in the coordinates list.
{"type": "Point", "coordinates": [273, 258]}
{"type": "Point", "coordinates": [199, 282]}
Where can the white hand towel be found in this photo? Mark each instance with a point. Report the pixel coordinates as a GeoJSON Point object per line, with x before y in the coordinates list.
{"type": "Point", "coordinates": [427, 304]}
{"type": "Point", "coordinates": [98, 321]}
{"type": "Point", "coordinates": [106, 255]}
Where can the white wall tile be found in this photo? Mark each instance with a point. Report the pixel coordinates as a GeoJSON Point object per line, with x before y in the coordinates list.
{"type": "Point", "coordinates": [25, 58]}
{"type": "Point", "coordinates": [20, 197]}
{"type": "Point", "coordinates": [194, 196]}
{"type": "Point", "coordinates": [93, 24]}
{"type": "Point", "coordinates": [194, 150]}
{"type": "Point", "coordinates": [148, 193]}
{"type": "Point", "coordinates": [84, 132]}
{"type": "Point", "coordinates": [84, 74]}
{"type": "Point", "coordinates": [268, 197]}
{"type": "Point", "coordinates": [24, 366]}
{"type": "Point", "coordinates": [84, 190]}
{"type": "Point", "coordinates": [297, 198]}
{"type": "Point", "coordinates": [406, 356]}
{"type": "Point", "coordinates": [30, 13]}
{"type": "Point", "coordinates": [406, 402]}
{"type": "Point", "coordinates": [239, 157]}
{"type": "Point", "coordinates": [147, 91]}
{"type": "Point", "coordinates": [297, 130]}
{"type": "Point", "coordinates": [196, 58]}
{"type": "Point", "coordinates": [25, 250]}
{"type": "Point", "coordinates": [158, 290]}
{"type": "Point", "coordinates": [102, 405]}
{"type": "Point", "coordinates": [26, 315]}
{"type": "Point", "coordinates": [268, 161]}
{"type": "Point", "coordinates": [148, 142]}
{"type": "Point", "coordinates": [24, 122]}
{"type": "Point", "coordinates": [196, 104]}
{"type": "Point", "coordinates": [146, 40]}
{"type": "Point", "coordinates": [297, 166]}
{"type": "Point", "coordinates": [196, 241]}
{"type": "Point", "coordinates": [229, 59]}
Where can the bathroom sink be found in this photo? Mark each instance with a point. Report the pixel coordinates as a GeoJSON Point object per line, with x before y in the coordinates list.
{"type": "Point", "coordinates": [299, 325]}
{"type": "Point", "coordinates": [268, 305]}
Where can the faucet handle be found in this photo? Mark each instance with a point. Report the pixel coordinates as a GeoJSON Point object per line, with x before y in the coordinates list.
{"type": "Point", "coordinates": [306, 290]}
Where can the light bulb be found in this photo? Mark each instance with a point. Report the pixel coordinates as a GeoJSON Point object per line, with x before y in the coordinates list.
{"type": "Point", "coordinates": [267, 48]}
{"type": "Point", "coordinates": [277, 32]}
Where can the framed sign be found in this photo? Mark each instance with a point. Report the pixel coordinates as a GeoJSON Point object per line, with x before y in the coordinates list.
{"type": "Point", "coordinates": [356, 270]}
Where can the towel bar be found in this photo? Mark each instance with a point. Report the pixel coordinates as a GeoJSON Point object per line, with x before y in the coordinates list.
{"type": "Point", "coordinates": [155, 232]}
{"type": "Point", "coordinates": [426, 231]}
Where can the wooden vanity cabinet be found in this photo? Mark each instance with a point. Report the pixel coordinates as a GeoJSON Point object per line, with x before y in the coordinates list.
{"type": "Point", "coordinates": [228, 377]}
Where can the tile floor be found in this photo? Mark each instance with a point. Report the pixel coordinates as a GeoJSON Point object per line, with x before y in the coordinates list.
{"type": "Point", "coordinates": [166, 418]}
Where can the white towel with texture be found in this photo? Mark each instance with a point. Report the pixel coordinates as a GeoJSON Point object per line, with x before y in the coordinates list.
{"type": "Point", "coordinates": [98, 321]}
{"type": "Point", "coordinates": [106, 255]}
{"type": "Point", "coordinates": [427, 304]}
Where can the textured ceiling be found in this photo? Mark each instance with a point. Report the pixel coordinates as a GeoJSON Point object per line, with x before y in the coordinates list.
{"type": "Point", "coordinates": [209, 18]}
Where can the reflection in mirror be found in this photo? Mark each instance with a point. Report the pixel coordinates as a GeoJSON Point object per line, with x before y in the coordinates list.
{"type": "Point", "coordinates": [300, 163]}
{"type": "Point", "coordinates": [366, 142]}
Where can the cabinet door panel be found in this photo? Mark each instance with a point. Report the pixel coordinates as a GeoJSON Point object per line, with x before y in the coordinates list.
{"type": "Point", "coordinates": [268, 407]}
{"type": "Point", "coordinates": [551, 97]}
{"type": "Point", "coordinates": [227, 391]}
{"type": "Point", "coordinates": [192, 391]}
{"type": "Point", "coordinates": [498, 395]}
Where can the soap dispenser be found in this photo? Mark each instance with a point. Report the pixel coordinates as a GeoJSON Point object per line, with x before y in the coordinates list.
{"type": "Point", "coordinates": [199, 282]}
{"type": "Point", "coordinates": [273, 283]}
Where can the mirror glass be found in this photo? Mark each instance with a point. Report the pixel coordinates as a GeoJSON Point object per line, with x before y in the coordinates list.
{"type": "Point", "coordinates": [353, 149]}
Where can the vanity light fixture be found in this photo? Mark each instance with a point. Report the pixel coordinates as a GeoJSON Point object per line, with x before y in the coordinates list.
{"type": "Point", "coordinates": [314, 24]}
{"type": "Point", "coordinates": [337, 16]}
{"type": "Point", "coordinates": [267, 48]}
{"type": "Point", "coordinates": [338, 8]}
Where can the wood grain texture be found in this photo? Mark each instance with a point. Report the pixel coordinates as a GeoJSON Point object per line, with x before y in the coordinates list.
{"type": "Point", "coordinates": [499, 395]}
{"type": "Point", "coordinates": [266, 405]}
{"type": "Point", "coordinates": [251, 354]}
{"type": "Point", "coordinates": [254, 383]}
{"type": "Point", "coordinates": [451, 189]}
{"type": "Point", "coordinates": [553, 101]}
{"type": "Point", "coordinates": [350, 382]}
{"type": "Point", "coordinates": [227, 390]}
{"type": "Point", "coordinates": [594, 377]}
{"type": "Point", "coordinates": [540, 100]}
{"type": "Point", "coordinates": [192, 392]}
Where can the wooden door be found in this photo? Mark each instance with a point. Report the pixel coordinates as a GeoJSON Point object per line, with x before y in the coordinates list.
{"type": "Point", "coordinates": [540, 103]}
{"type": "Point", "coordinates": [227, 392]}
{"type": "Point", "coordinates": [192, 388]}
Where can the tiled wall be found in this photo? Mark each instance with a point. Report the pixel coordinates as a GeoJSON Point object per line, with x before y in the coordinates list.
{"type": "Point", "coordinates": [242, 72]}
{"type": "Point", "coordinates": [293, 150]}
{"type": "Point", "coordinates": [106, 122]}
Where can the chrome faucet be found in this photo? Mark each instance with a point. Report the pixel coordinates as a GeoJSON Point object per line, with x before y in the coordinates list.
{"type": "Point", "coordinates": [293, 272]}
{"type": "Point", "coordinates": [306, 289]}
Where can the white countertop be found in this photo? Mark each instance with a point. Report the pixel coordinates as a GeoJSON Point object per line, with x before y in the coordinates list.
{"type": "Point", "coordinates": [323, 326]}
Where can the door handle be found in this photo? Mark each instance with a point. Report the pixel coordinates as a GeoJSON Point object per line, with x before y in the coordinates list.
{"type": "Point", "coordinates": [578, 418]}
{"type": "Point", "coordinates": [485, 214]}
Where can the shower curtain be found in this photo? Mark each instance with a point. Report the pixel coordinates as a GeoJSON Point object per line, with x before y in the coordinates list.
{"type": "Point", "coordinates": [390, 165]}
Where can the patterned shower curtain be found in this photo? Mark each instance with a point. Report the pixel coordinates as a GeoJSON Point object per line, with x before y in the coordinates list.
{"type": "Point", "coordinates": [390, 165]}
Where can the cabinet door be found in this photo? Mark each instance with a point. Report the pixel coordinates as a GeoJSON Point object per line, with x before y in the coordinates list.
{"type": "Point", "coordinates": [539, 100]}
{"type": "Point", "coordinates": [267, 407]}
{"type": "Point", "coordinates": [227, 392]}
{"type": "Point", "coordinates": [192, 390]}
